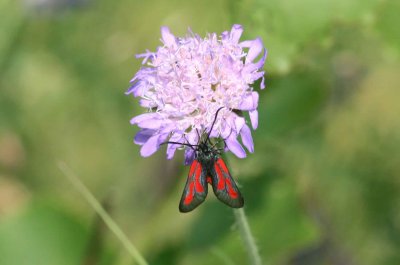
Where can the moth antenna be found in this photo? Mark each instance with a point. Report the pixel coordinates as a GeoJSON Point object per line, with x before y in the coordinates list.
{"type": "Point", "coordinates": [212, 125]}
{"type": "Point", "coordinates": [190, 145]}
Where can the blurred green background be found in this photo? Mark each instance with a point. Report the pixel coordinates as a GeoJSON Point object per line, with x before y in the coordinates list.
{"type": "Point", "coordinates": [322, 187]}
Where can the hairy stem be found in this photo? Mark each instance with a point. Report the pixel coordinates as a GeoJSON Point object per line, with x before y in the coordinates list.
{"type": "Point", "coordinates": [102, 213]}
{"type": "Point", "coordinates": [245, 232]}
{"type": "Point", "coordinates": [247, 237]}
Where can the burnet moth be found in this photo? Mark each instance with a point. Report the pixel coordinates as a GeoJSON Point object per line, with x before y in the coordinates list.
{"type": "Point", "coordinates": [208, 167]}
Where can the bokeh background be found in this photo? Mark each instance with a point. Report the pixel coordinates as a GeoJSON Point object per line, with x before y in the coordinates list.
{"type": "Point", "coordinates": [322, 187]}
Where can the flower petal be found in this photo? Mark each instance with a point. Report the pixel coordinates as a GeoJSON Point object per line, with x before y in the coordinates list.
{"type": "Point", "coordinates": [146, 56]}
{"type": "Point", "coordinates": [150, 147]}
{"type": "Point", "coordinates": [235, 147]}
{"type": "Point", "coordinates": [150, 124]}
{"type": "Point", "coordinates": [239, 122]}
{"type": "Point", "coordinates": [250, 102]}
{"type": "Point", "coordinates": [261, 62]}
{"type": "Point", "coordinates": [168, 38]}
{"type": "Point", "coordinates": [147, 103]}
{"type": "Point", "coordinates": [225, 35]}
{"type": "Point", "coordinates": [254, 118]}
{"type": "Point", "coordinates": [247, 140]}
{"type": "Point", "coordinates": [143, 117]}
{"type": "Point", "coordinates": [225, 131]}
{"type": "Point", "coordinates": [134, 89]}
{"type": "Point", "coordinates": [134, 78]}
{"type": "Point", "coordinates": [189, 156]}
{"type": "Point", "coordinates": [192, 137]}
{"type": "Point", "coordinates": [176, 137]}
{"type": "Point", "coordinates": [247, 103]}
{"type": "Point", "coordinates": [255, 97]}
{"type": "Point", "coordinates": [255, 48]}
{"type": "Point", "coordinates": [162, 139]}
{"type": "Point", "coordinates": [262, 84]}
{"type": "Point", "coordinates": [143, 136]}
{"type": "Point", "coordinates": [214, 133]}
{"type": "Point", "coordinates": [140, 89]}
{"type": "Point", "coordinates": [236, 32]}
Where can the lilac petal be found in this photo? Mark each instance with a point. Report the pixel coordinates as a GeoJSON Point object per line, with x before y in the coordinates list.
{"type": "Point", "coordinates": [239, 122]}
{"type": "Point", "coordinates": [150, 124]}
{"type": "Point", "coordinates": [255, 97]}
{"type": "Point", "coordinates": [143, 117]}
{"type": "Point", "coordinates": [163, 137]}
{"type": "Point", "coordinates": [250, 102]}
{"type": "Point", "coordinates": [150, 147]}
{"type": "Point", "coordinates": [192, 137]}
{"type": "Point", "coordinates": [214, 133]}
{"type": "Point", "coordinates": [254, 118]}
{"type": "Point", "coordinates": [147, 103]}
{"type": "Point", "coordinates": [171, 151]}
{"type": "Point", "coordinates": [168, 127]}
{"type": "Point", "coordinates": [225, 35]}
{"type": "Point", "coordinates": [246, 43]}
{"type": "Point", "coordinates": [250, 68]}
{"type": "Point", "coordinates": [255, 49]}
{"type": "Point", "coordinates": [262, 85]}
{"type": "Point", "coordinates": [134, 78]}
{"type": "Point", "coordinates": [140, 89]}
{"type": "Point", "coordinates": [247, 140]}
{"type": "Point", "coordinates": [134, 88]}
{"type": "Point", "coordinates": [143, 136]}
{"type": "Point", "coordinates": [236, 32]}
{"type": "Point", "coordinates": [168, 38]}
{"type": "Point", "coordinates": [226, 131]}
{"type": "Point", "coordinates": [247, 103]}
{"type": "Point", "coordinates": [257, 75]}
{"type": "Point", "coordinates": [146, 56]}
{"type": "Point", "coordinates": [260, 63]}
{"type": "Point", "coordinates": [235, 147]}
{"type": "Point", "coordinates": [172, 147]}
{"type": "Point", "coordinates": [189, 156]}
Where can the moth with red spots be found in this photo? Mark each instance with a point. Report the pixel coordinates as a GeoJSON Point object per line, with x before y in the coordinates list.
{"type": "Point", "coordinates": [208, 167]}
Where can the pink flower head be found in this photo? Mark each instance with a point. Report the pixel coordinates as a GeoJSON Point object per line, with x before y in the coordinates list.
{"type": "Point", "coordinates": [187, 80]}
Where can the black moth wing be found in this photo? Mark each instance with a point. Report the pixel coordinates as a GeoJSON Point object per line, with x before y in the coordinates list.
{"type": "Point", "coordinates": [225, 188]}
{"type": "Point", "coordinates": [196, 188]}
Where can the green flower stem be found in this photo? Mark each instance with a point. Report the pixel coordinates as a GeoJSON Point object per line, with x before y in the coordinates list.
{"type": "Point", "coordinates": [102, 213]}
{"type": "Point", "coordinates": [245, 232]}
{"type": "Point", "coordinates": [247, 237]}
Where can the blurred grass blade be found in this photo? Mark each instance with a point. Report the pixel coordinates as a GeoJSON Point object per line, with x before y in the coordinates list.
{"type": "Point", "coordinates": [102, 213]}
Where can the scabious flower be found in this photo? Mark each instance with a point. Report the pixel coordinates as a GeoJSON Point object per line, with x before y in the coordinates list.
{"type": "Point", "coordinates": [187, 80]}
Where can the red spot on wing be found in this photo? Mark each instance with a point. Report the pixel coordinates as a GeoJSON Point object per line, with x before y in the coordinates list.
{"type": "Point", "coordinates": [221, 178]}
{"type": "Point", "coordinates": [189, 196]}
{"type": "Point", "coordinates": [231, 191]}
{"type": "Point", "coordinates": [199, 187]}
{"type": "Point", "coordinates": [222, 170]}
{"type": "Point", "coordinates": [223, 166]}
{"type": "Point", "coordinates": [193, 167]}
